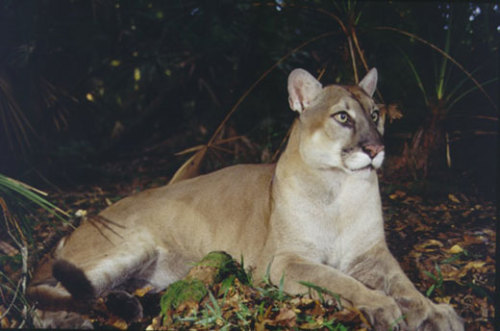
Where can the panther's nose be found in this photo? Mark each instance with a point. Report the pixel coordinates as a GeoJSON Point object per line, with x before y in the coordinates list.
{"type": "Point", "coordinates": [373, 150]}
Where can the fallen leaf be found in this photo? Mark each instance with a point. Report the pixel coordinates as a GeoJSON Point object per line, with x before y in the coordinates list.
{"type": "Point", "coordinates": [318, 309]}
{"type": "Point", "coordinates": [392, 111]}
{"type": "Point", "coordinates": [426, 246]}
{"type": "Point", "coordinates": [412, 200]}
{"type": "Point", "coordinates": [261, 326]}
{"type": "Point", "coordinates": [285, 314]}
{"type": "Point", "coordinates": [7, 249]}
{"type": "Point", "coordinates": [140, 292]}
{"type": "Point", "coordinates": [455, 249]}
{"type": "Point", "coordinates": [397, 194]}
{"type": "Point", "coordinates": [4, 323]}
{"type": "Point", "coordinates": [445, 299]}
{"type": "Point", "coordinates": [453, 198]}
{"type": "Point", "coordinates": [474, 265]}
{"type": "Point", "coordinates": [119, 323]}
{"type": "Point", "coordinates": [313, 325]}
{"type": "Point", "coordinates": [422, 228]}
{"type": "Point", "coordinates": [471, 239]}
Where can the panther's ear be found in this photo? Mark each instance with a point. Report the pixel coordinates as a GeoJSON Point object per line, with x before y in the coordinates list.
{"type": "Point", "coordinates": [302, 89]}
{"type": "Point", "coordinates": [369, 82]}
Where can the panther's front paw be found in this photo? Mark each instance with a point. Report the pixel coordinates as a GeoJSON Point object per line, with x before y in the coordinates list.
{"type": "Point", "coordinates": [423, 314]}
{"type": "Point", "coordinates": [382, 312]}
{"type": "Point", "coordinates": [443, 317]}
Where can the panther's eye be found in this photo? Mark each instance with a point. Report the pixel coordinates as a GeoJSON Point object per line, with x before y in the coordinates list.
{"type": "Point", "coordinates": [375, 116]}
{"type": "Point", "coordinates": [342, 117]}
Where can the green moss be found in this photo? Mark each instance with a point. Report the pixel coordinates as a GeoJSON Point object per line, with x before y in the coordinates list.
{"type": "Point", "coordinates": [182, 291]}
{"type": "Point", "coordinates": [216, 259]}
{"type": "Point", "coordinates": [222, 262]}
{"type": "Point", "coordinates": [215, 267]}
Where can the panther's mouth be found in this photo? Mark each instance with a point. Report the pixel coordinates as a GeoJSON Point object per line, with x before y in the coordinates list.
{"type": "Point", "coordinates": [368, 167]}
{"type": "Point", "coordinates": [360, 161]}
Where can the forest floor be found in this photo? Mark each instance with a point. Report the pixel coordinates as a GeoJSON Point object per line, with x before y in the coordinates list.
{"type": "Point", "coordinates": [445, 242]}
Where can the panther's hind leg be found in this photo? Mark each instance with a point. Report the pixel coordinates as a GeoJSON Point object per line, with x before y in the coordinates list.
{"type": "Point", "coordinates": [76, 274]}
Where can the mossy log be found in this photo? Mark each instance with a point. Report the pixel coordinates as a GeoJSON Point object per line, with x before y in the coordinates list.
{"type": "Point", "coordinates": [213, 268]}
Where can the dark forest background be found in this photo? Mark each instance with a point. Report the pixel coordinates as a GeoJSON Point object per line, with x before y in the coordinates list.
{"type": "Point", "coordinates": [83, 83]}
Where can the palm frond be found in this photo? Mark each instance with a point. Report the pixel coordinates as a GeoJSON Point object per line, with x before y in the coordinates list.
{"type": "Point", "coordinates": [446, 55]}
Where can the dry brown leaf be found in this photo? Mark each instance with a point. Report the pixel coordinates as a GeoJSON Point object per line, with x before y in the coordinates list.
{"type": "Point", "coordinates": [140, 292]}
{"type": "Point", "coordinates": [453, 198]}
{"type": "Point", "coordinates": [471, 239]}
{"type": "Point", "coordinates": [455, 249]}
{"type": "Point", "coordinates": [4, 323]}
{"type": "Point", "coordinates": [427, 246]}
{"type": "Point", "coordinates": [474, 265]}
{"type": "Point", "coordinates": [489, 260]}
{"type": "Point", "coordinates": [187, 307]}
{"type": "Point", "coordinates": [398, 194]}
{"type": "Point", "coordinates": [391, 111]}
{"type": "Point", "coordinates": [450, 272]}
{"type": "Point", "coordinates": [422, 228]}
{"type": "Point", "coordinates": [456, 275]}
{"type": "Point", "coordinates": [313, 325]}
{"type": "Point", "coordinates": [445, 299]}
{"type": "Point", "coordinates": [155, 324]}
{"type": "Point", "coordinates": [412, 200]}
{"type": "Point", "coordinates": [233, 300]}
{"type": "Point", "coordinates": [318, 309]}
{"type": "Point", "coordinates": [7, 248]}
{"type": "Point", "coordinates": [286, 314]}
{"type": "Point", "coordinates": [306, 301]}
{"type": "Point", "coordinates": [261, 326]}
{"type": "Point", "coordinates": [350, 314]}
{"type": "Point", "coordinates": [118, 323]}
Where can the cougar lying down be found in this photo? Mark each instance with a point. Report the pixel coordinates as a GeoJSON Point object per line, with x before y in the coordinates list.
{"type": "Point", "coordinates": [316, 216]}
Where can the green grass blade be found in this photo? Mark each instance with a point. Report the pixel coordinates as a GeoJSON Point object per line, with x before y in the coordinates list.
{"type": "Point", "coordinates": [416, 75]}
{"type": "Point", "coordinates": [465, 93]}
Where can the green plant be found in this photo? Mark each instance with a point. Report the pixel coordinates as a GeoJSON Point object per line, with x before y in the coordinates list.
{"type": "Point", "coordinates": [441, 93]}
{"type": "Point", "coordinates": [438, 280]}
{"type": "Point", "coordinates": [431, 137]}
{"type": "Point", "coordinates": [213, 314]}
{"type": "Point", "coordinates": [245, 315]}
{"type": "Point", "coordinates": [16, 200]}
{"type": "Point", "coordinates": [271, 291]}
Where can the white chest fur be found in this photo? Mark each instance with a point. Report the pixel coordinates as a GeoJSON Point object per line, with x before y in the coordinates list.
{"type": "Point", "coordinates": [322, 221]}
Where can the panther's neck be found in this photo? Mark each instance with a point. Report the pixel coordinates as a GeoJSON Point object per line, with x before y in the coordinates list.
{"type": "Point", "coordinates": [296, 178]}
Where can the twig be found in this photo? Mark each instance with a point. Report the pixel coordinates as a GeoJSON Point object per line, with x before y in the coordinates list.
{"type": "Point", "coordinates": [24, 276]}
{"type": "Point", "coordinates": [363, 59]}
{"type": "Point", "coordinates": [13, 299]}
{"type": "Point", "coordinates": [353, 60]}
